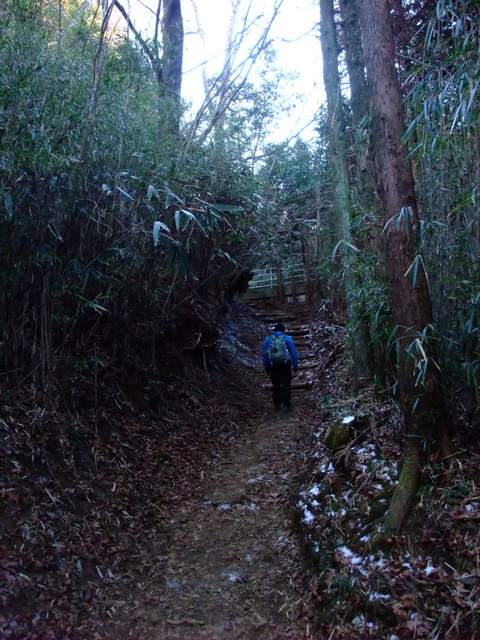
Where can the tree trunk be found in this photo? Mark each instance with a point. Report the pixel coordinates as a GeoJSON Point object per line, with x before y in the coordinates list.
{"type": "Point", "coordinates": [170, 83]}
{"type": "Point", "coordinates": [305, 235]}
{"type": "Point", "coordinates": [338, 153]}
{"type": "Point", "coordinates": [418, 376]}
{"type": "Point", "coordinates": [167, 68]}
{"type": "Point", "coordinates": [281, 292]}
{"type": "Point", "coordinates": [366, 181]}
{"type": "Point", "coordinates": [365, 185]}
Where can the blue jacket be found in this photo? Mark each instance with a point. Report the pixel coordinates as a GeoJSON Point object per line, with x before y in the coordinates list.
{"type": "Point", "coordinates": [290, 346]}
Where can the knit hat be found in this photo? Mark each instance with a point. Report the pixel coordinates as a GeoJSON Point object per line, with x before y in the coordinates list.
{"type": "Point", "coordinates": [279, 327]}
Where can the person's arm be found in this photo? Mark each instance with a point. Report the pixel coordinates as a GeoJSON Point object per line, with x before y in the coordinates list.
{"type": "Point", "coordinates": [293, 352]}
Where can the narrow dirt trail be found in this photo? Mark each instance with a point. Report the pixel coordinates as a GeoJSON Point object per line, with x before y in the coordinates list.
{"type": "Point", "coordinates": [232, 568]}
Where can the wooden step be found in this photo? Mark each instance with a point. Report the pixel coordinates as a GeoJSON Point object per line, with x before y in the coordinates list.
{"type": "Point", "coordinates": [276, 316]}
{"type": "Point", "coordinates": [295, 385]}
{"type": "Point", "coordinates": [298, 331]}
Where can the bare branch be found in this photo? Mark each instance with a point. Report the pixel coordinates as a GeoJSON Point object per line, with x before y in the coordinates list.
{"type": "Point", "coordinates": [149, 53]}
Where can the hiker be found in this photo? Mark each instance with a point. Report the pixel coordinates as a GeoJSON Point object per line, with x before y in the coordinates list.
{"type": "Point", "coordinates": [279, 357]}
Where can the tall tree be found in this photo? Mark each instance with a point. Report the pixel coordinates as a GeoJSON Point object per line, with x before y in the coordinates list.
{"type": "Point", "coordinates": [171, 79]}
{"type": "Point", "coordinates": [165, 53]}
{"type": "Point", "coordinates": [365, 169]}
{"type": "Point", "coordinates": [419, 378]}
{"type": "Point", "coordinates": [363, 188]}
{"type": "Point", "coordinates": [338, 153]}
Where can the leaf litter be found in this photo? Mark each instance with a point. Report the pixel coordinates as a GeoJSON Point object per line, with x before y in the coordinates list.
{"type": "Point", "coordinates": [218, 519]}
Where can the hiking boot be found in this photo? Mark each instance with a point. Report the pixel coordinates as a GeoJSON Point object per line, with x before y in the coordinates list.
{"type": "Point", "coordinates": [278, 407]}
{"type": "Point", "coordinates": [287, 408]}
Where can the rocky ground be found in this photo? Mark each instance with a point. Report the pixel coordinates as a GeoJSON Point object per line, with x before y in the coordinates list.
{"type": "Point", "coordinates": [215, 517]}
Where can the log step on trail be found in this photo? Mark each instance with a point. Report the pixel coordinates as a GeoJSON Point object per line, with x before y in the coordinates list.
{"type": "Point", "coordinates": [275, 316]}
{"type": "Point", "coordinates": [307, 384]}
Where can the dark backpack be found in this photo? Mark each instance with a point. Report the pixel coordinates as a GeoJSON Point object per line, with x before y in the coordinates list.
{"type": "Point", "coordinates": [277, 351]}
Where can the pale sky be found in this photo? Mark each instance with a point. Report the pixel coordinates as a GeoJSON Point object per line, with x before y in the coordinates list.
{"type": "Point", "coordinates": [294, 39]}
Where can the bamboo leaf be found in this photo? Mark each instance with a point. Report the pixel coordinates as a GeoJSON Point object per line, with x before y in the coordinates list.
{"type": "Point", "coordinates": [152, 191]}
{"type": "Point", "coordinates": [8, 201]}
{"type": "Point", "coordinates": [189, 217]}
{"type": "Point", "coordinates": [55, 231]}
{"type": "Point", "coordinates": [127, 195]}
{"type": "Point", "coordinates": [157, 225]}
{"type": "Point", "coordinates": [226, 208]}
{"type": "Point", "coordinates": [178, 219]}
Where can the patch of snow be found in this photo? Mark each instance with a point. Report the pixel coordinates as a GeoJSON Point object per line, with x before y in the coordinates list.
{"type": "Point", "coordinates": [315, 503]}
{"type": "Point", "coordinates": [252, 506]}
{"type": "Point", "coordinates": [314, 491]}
{"type": "Point", "coordinates": [350, 555]}
{"type": "Point", "coordinates": [257, 479]}
{"type": "Point", "coordinates": [348, 419]}
{"type": "Point", "coordinates": [223, 507]}
{"type": "Point", "coordinates": [308, 516]}
{"type": "Point", "coordinates": [469, 507]}
{"type": "Point", "coordinates": [429, 569]}
{"type": "Point", "coordinates": [364, 538]}
{"type": "Point", "coordinates": [407, 565]}
{"type": "Point", "coordinates": [233, 577]}
{"type": "Point", "coordinates": [378, 596]}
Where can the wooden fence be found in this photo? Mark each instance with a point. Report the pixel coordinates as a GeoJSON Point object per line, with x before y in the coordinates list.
{"type": "Point", "coordinates": [274, 282]}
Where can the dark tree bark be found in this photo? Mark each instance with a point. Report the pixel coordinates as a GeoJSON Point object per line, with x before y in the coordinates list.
{"type": "Point", "coordinates": [172, 37]}
{"type": "Point", "coordinates": [419, 378]}
{"type": "Point", "coordinates": [338, 154]}
{"type": "Point", "coordinates": [367, 195]}
{"type": "Point", "coordinates": [172, 67]}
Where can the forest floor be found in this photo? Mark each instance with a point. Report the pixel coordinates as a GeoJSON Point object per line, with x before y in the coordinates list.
{"type": "Point", "coordinates": [216, 517]}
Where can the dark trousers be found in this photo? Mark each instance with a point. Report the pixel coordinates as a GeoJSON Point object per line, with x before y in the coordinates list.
{"type": "Point", "coordinates": [281, 376]}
